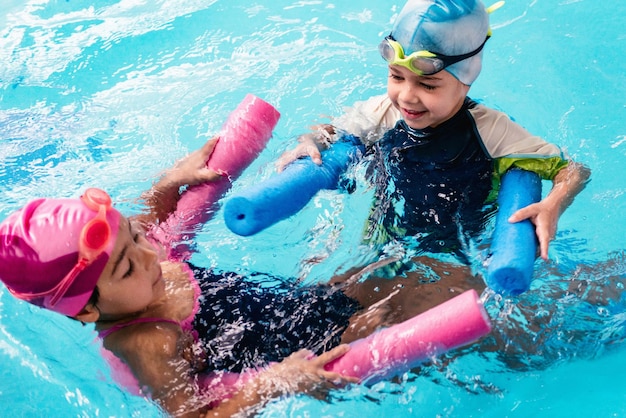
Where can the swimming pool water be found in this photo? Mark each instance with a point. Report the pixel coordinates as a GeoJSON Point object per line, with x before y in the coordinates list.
{"type": "Point", "coordinates": [107, 93]}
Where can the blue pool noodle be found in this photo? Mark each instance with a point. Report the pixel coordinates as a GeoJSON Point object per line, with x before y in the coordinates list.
{"type": "Point", "coordinates": [286, 193]}
{"type": "Point", "coordinates": [514, 245]}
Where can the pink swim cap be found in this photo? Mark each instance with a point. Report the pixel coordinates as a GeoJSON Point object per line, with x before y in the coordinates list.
{"type": "Point", "coordinates": [39, 250]}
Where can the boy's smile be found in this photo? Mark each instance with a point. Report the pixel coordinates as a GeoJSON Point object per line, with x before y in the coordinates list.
{"type": "Point", "coordinates": [408, 114]}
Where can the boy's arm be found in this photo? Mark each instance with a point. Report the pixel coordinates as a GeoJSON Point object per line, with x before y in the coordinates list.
{"type": "Point", "coordinates": [310, 145]}
{"type": "Point", "coordinates": [545, 214]}
{"type": "Point", "coordinates": [367, 120]}
{"type": "Point", "coordinates": [161, 199]}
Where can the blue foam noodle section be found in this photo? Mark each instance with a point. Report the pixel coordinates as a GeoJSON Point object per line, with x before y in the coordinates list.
{"type": "Point", "coordinates": [514, 245]}
{"type": "Point", "coordinates": [286, 193]}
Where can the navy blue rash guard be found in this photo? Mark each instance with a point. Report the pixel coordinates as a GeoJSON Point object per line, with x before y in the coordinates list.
{"type": "Point", "coordinates": [432, 183]}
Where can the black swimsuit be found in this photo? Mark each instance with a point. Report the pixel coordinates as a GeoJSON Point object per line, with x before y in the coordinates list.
{"type": "Point", "coordinates": [249, 322]}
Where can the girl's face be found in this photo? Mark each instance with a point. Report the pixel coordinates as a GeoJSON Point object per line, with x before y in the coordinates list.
{"type": "Point", "coordinates": [132, 279]}
{"type": "Point", "coordinates": [425, 101]}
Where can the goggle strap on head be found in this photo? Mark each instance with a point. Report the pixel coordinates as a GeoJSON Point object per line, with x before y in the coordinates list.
{"type": "Point", "coordinates": [437, 60]}
{"type": "Point", "coordinates": [59, 291]}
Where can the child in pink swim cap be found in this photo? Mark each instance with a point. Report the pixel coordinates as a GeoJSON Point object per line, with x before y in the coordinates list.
{"type": "Point", "coordinates": [54, 250]}
{"type": "Point", "coordinates": [177, 330]}
{"type": "Point", "coordinates": [82, 258]}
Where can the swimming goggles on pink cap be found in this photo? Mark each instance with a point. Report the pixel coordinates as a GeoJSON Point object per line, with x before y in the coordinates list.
{"type": "Point", "coordinates": [93, 239]}
{"type": "Point", "coordinates": [421, 62]}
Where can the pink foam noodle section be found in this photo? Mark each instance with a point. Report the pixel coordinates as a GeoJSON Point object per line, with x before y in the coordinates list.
{"type": "Point", "coordinates": [391, 351]}
{"type": "Point", "coordinates": [243, 136]}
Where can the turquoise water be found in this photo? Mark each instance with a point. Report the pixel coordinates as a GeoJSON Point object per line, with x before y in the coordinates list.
{"type": "Point", "coordinates": [108, 93]}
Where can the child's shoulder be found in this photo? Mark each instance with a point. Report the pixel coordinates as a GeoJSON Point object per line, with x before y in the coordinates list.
{"type": "Point", "coordinates": [478, 107]}
{"type": "Point", "coordinates": [502, 136]}
{"type": "Point", "coordinates": [368, 119]}
{"type": "Point", "coordinates": [488, 117]}
{"type": "Point", "coordinates": [145, 341]}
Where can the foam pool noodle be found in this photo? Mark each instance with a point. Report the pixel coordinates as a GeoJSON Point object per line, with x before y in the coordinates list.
{"type": "Point", "coordinates": [391, 351]}
{"type": "Point", "coordinates": [284, 194]}
{"type": "Point", "coordinates": [243, 136]}
{"type": "Point", "coordinates": [514, 245]}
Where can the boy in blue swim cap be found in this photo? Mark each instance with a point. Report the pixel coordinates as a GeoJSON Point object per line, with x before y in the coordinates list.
{"type": "Point", "coordinates": [437, 154]}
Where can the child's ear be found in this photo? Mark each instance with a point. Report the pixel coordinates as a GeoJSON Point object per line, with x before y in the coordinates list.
{"type": "Point", "coordinates": [90, 313]}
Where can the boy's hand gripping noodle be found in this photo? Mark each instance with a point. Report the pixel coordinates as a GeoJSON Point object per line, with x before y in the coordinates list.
{"type": "Point", "coordinates": [514, 245]}
{"type": "Point", "coordinates": [391, 351]}
{"type": "Point", "coordinates": [241, 139]}
{"type": "Point", "coordinates": [287, 192]}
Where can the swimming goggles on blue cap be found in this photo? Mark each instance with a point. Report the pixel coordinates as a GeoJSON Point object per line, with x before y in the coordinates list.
{"type": "Point", "coordinates": [421, 62]}
{"type": "Point", "coordinates": [427, 62]}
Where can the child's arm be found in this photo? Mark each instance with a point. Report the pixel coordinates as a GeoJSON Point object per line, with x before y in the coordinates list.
{"type": "Point", "coordinates": [310, 145]}
{"type": "Point", "coordinates": [191, 170]}
{"type": "Point", "coordinates": [155, 354]}
{"type": "Point", "coordinates": [545, 214]}
{"type": "Point", "coordinates": [367, 120]}
{"type": "Point", "coordinates": [302, 372]}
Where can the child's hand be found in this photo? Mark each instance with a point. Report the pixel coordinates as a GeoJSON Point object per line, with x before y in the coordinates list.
{"type": "Point", "coordinates": [306, 148]}
{"type": "Point", "coordinates": [310, 146]}
{"type": "Point", "coordinates": [300, 372]}
{"type": "Point", "coordinates": [192, 169]}
{"type": "Point", "coordinates": [545, 214]}
{"type": "Point", "coordinates": [304, 372]}
{"type": "Point", "coordinates": [545, 218]}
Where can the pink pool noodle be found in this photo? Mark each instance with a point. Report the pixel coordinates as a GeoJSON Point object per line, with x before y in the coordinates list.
{"type": "Point", "coordinates": [241, 139]}
{"type": "Point", "coordinates": [390, 351]}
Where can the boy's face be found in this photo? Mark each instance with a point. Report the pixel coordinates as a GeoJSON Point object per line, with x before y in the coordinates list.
{"type": "Point", "coordinates": [425, 101]}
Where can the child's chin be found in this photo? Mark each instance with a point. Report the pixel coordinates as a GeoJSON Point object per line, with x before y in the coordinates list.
{"type": "Point", "coordinates": [415, 124]}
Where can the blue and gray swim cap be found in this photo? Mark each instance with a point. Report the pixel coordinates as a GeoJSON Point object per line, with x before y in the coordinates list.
{"type": "Point", "coordinates": [449, 27]}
